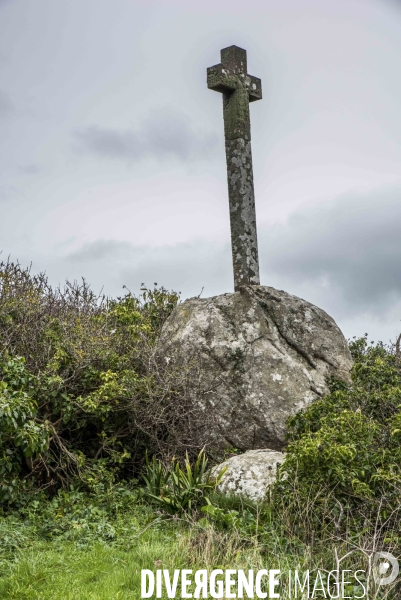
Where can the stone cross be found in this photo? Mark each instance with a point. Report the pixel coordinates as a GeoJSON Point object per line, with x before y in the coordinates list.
{"type": "Point", "coordinates": [230, 77]}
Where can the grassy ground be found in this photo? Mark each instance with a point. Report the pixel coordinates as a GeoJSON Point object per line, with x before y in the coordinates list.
{"type": "Point", "coordinates": [64, 572]}
{"type": "Point", "coordinates": [80, 546]}
{"type": "Point", "coordinates": [61, 569]}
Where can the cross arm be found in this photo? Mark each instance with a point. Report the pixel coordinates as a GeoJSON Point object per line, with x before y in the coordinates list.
{"type": "Point", "coordinates": [221, 79]}
{"type": "Point", "coordinates": [254, 85]}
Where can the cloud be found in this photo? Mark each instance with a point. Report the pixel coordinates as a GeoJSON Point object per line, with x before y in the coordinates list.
{"type": "Point", "coordinates": [344, 256]}
{"type": "Point", "coordinates": [30, 169]}
{"type": "Point", "coordinates": [100, 250]}
{"type": "Point", "coordinates": [347, 252]}
{"type": "Point", "coordinates": [165, 134]}
{"type": "Point", "coordinates": [6, 106]}
{"type": "Point", "coordinates": [183, 267]}
{"type": "Point", "coordinates": [8, 193]}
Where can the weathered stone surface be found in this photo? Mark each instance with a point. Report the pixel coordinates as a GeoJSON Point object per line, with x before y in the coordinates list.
{"type": "Point", "coordinates": [249, 474]}
{"type": "Point", "coordinates": [264, 355]}
{"type": "Point", "coordinates": [230, 77]}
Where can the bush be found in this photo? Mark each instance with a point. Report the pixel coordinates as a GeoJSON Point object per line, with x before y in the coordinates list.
{"type": "Point", "coordinates": [343, 463]}
{"type": "Point", "coordinates": [82, 391]}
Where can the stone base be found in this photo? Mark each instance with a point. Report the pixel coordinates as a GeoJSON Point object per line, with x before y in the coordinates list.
{"type": "Point", "coordinates": [263, 355]}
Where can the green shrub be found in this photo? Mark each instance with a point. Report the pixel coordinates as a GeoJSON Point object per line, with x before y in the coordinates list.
{"type": "Point", "coordinates": [343, 461]}
{"type": "Point", "coordinates": [81, 389]}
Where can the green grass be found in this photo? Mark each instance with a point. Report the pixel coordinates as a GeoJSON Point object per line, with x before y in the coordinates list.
{"type": "Point", "coordinates": [60, 569]}
{"type": "Point", "coordinates": [48, 556]}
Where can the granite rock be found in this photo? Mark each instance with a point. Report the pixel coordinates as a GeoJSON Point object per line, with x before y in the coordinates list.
{"type": "Point", "coordinates": [249, 474]}
{"type": "Point", "coordinates": [263, 355]}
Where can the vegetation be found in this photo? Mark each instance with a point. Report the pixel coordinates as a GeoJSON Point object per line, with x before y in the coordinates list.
{"type": "Point", "coordinates": [82, 390]}
{"type": "Point", "coordinates": [180, 490]}
{"type": "Point", "coordinates": [59, 570]}
{"type": "Point", "coordinates": [100, 475]}
{"type": "Point", "coordinates": [345, 452]}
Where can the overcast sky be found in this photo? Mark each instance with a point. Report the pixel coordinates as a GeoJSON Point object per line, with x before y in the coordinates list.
{"type": "Point", "coordinates": [112, 161]}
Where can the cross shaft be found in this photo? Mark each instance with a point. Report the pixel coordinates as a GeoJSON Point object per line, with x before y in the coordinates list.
{"type": "Point", "coordinates": [230, 77]}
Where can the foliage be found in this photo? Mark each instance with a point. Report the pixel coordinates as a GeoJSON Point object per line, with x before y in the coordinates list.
{"type": "Point", "coordinates": [58, 569]}
{"type": "Point", "coordinates": [343, 462]}
{"type": "Point", "coordinates": [82, 391]}
{"type": "Point", "coordinates": [74, 565]}
{"type": "Point", "coordinates": [79, 412]}
{"type": "Point", "coordinates": [22, 436]}
{"type": "Point", "coordinates": [85, 396]}
{"type": "Point", "coordinates": [177, 489]}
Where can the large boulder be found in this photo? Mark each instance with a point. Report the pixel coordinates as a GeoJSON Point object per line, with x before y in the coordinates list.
{"type": "Point", "coordinates": [249, 474]}
{"type": "Point", "coordinates": [262, 356]}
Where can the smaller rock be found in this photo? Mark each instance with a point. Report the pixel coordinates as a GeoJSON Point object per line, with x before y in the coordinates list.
{"type": "Point", "coordinates": [249, 474]}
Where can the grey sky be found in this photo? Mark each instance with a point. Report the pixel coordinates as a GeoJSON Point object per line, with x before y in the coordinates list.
{"type": "Point", "coordinates": [112, 156]}
{"type": "Point", "coordinates": [163, 134]}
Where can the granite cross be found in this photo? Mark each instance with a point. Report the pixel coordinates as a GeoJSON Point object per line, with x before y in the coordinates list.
{"type": "Point", "coordinates": [230, 77]}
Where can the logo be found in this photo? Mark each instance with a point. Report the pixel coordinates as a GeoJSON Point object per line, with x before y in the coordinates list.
{"type": "Point", "coordinates": [385, 568]}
